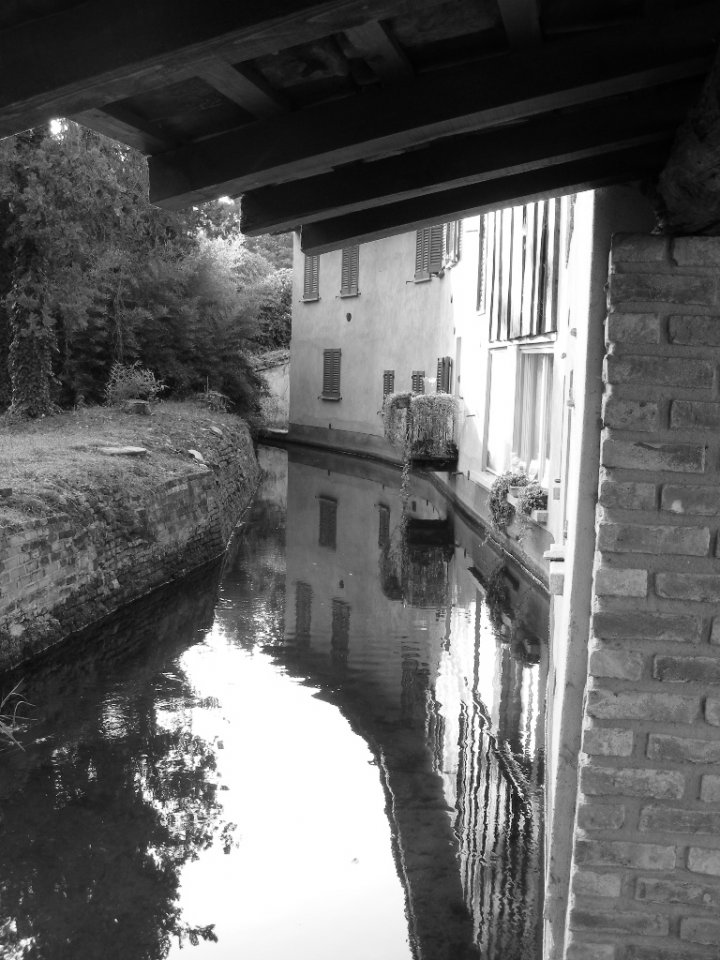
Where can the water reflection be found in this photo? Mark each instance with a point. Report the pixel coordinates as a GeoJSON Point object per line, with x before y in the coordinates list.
{"type": "Point", "coordinates": [332, 750]}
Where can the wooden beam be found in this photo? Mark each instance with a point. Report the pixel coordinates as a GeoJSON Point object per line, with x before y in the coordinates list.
{"type": "Point", "coordinates": [375, 45]}
{"type": "Point", "coordinates": [129, 133]}
{"type": "Point", "coordinates": [373, 224]}
{"type": "Point", "coordinates": [475, 96]}
{"type": "Point", "coordinates": [245, 89]}
{"type": "Point", "coordinates": [521, 21]}
{"type": "Point", "coordinates": [97, 52]}
{"type": "Point", "coordinates": [460, 161]}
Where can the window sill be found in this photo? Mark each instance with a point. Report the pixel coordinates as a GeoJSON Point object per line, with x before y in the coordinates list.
{"type": "Point", "coordinates": [422, 278]}
{"type": "Point", "coordinates": [324, 396]}
{"type": "Point", "coordinates": [309, 299]}
{"type": "Point", "coordinates": [347, 296]}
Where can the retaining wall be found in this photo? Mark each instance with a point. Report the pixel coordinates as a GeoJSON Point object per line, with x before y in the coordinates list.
{"type": "Point", "coordinates": [645, 882]}
{"type": "Point", "coordinates": [61, 573]}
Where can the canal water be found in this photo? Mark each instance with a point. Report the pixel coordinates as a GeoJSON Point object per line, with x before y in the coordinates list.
{"type": "Point", "coordinates": [331, 745]}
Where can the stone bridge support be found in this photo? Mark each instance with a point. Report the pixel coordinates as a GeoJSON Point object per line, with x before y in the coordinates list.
{"type": "Point", "coordinates": [645, 882]}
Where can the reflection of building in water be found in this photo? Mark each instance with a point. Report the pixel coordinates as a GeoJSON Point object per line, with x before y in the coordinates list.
{"type": "Point", "coordinates": [444, 686]}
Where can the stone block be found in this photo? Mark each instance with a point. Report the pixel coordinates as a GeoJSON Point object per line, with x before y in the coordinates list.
{"type": "Point", "coordinates": [696, 501]}
{"type": "Point", "coordinates": [643, 455]}
{"type": "Point", "coordinates": [641, 705]}
{"type": "Point", "coordinates": [629, 782]}
{"type": "Point", "coordinates": [715, 631]}
{"type": "Point", "coordinates": [590, 951]}
{"type": "Point", "coordinates": [662, 746]}
{"type": "Point", "coordinates": [621, 853]}
{"type": "Point", "coordinates": [700, 930]}
{"type": "Point", "coordinates": [703, 587]}
{"type": "Point", "coordinates": [627, 495]}
{"type": "Point", "coordinates": [611, 921]}
{"type": "Point", "coordinates": [615, 662]}
{"type": "Point", "coordinates": [640, 248]}
{"type": "Point", "coordinates": [695, 251]}
{"type": "Point", "coordinates": [693, 415]}
{"type": "Point", "coordinates": [678, 820]}
{"type": "Point", "coordinates": [694, 331]}
{"type": "Point", "coordinates": [640, 538]}
{"type": "Point", "coordinates": [673, 288]}
{"type": "Point", "coordinates": [659, 371]}
{"type": "Point", "coordinates": [638, 625]}
{"type": "Point", "coordinates": [633, 328]}
{"type": "Point", "coordinates": [640, 415]}
{"type": "Point", "coordinates": [675, 891]}
{"type": "Point", "coordinates": [687, 669]}
{"type": "Point", "coordinates": [615, 582]}
{"type": "Point", "coordinates": [608, 742]}
{"type": "Point", "coordinates": [671, 950]}
{"type": "Point", "coordinates": [601, 816]}
{"type": "Point", "coordinates": [710, 788]}
{"type": "Point", "coordinates": [590, 883]}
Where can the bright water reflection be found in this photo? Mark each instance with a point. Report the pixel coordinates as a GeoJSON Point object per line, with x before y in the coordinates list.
{"type": "Point", "coordinates": [339, 756]}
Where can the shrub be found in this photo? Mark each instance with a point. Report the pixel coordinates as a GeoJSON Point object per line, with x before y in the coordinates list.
{"type": "Point", "coordinates": [132, 382]}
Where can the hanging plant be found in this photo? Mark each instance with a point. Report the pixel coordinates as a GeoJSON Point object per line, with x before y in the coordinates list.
{"type": "Point", "coordinates": [431, 425]}
{"type": "Point", "coordinates": [395, 411]}
{"type": "Point", "coordinates": [532, 498]}
{"type": "Point", "coordinates": [501, 510]}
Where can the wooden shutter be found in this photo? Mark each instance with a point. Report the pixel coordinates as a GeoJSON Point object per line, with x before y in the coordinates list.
{"type": "Point", "coordinates": [340, 630]}
{"type": "Point", "coordinates": [311, 285]}
{"type": "Point", "coordinates": [388, 382]}
{"type": "Point", "coordinates": [417, 381]}
{"type": "Point", "coordinates": [437, 248]}
{"type": "Point", "coordinates": [482, 267]}
{"type": "Point", "coordinates": [349, 271]}
{"type": "Point", "coordinates": [331, 374]}
{"type": "Point", "coordinates": [327, 527]}
{"type": "Point", "coordinates": [303, 611]}
{"type": "Point", "coordinates": [422, 254]}
{"type": "Point", "coordinates": [383, 524]}
{"type": "Point", "coordinates": [444, 374]}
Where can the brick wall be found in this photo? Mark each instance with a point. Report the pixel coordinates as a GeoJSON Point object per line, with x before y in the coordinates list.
{"type": "Point", "coordinates": [646, 864]}
{"type": "Point", "coordinates": [58, 574]}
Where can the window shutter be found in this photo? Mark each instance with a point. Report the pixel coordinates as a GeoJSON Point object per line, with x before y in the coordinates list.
{"type": "Point", "coordinates": [331, 374]}
{"type": "Point", "coordinates": [327, 532]}
{"type": "Point", "coordinates": [383, 524]}
{"type": "Point", "coordinates": [444, 374]}
{"type": "Point", "coordinates": [482, 258]}
{"type": "Point", "coordinates": [340, 630]}
{"type": "Point", "coordinates": [303, 614]}
{"type": "Point", "coordinates": [349, 271]}
{"type": "Point", "coordinates": [311, 285]}
{"type": "Point", "coordinates": [418, 381]}
{"type": "Point", "coordinates": [388, 382]}
{"type": "Point", "coordinates": [437, 248]}
{"type": "Point", "coordinates": [422, 254]}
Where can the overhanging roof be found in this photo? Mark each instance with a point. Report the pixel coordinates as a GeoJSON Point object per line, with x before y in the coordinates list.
{"type": "Point", "coordinates": [360, 118]}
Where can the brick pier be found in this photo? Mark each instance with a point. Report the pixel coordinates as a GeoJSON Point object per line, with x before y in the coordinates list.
{"type": "Point", "coordinates": [645, 881]}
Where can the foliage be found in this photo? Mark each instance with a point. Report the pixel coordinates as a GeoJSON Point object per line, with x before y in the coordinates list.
{"type": "Point", "coordinates": [501, 510]}
{"type": "Point", "coordinates": [432, 424]}
{"type": "Point", "coordinates": [532, 498]}
{"type": "Point", "coordinates": [395, 412]}
{"type": "Point", "coordinates": [132, 382]}
{"type": "Point", "coordinates": [9, 706]}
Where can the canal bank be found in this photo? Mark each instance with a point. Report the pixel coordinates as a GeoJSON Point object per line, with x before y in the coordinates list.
{"type": "Point", "coordinates": [104, 524]}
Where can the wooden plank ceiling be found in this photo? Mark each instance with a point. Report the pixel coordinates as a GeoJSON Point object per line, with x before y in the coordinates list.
{"type": "Point", "coordinates": [361, 118]}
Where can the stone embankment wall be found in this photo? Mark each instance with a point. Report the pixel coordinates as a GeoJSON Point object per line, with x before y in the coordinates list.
{"type": "Point", "coordinates": [646, 871]}
{"type": "Point", "coordinates": [60, 573]}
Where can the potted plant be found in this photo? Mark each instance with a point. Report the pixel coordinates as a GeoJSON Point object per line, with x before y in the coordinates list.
{"type": "Point", "coordinates": [533, 502]}
{"type": "Point", "coordinates": [501, 510]}
{"type": "Point", "coordinates": [516, 484]}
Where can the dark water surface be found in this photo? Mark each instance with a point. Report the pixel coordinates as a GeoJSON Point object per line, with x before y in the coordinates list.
{"type": "Point", "coordinates": [328, 747]}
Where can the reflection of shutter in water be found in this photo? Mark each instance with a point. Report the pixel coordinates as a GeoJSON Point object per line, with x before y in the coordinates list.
{"type": "Point", "coordinates": [303, 612]}
{"type": "Point", "coordinates": [340, 636]}
{"type": "Point", "coordinates": [331, 373]}
{"type": "Point", "coordinates": [388, 382]}
{"type": "Point", "coordinates": [418, 381]}
{"type": "Point", "coordinates": [328, 522]}
{"type": "Point", "coordinates": [444, 374]}
{"type": "Point", "coordinates": [383, 525]}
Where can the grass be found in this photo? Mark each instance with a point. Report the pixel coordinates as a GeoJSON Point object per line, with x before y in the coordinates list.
{"type": "Point", "coordinates": [55, 465]}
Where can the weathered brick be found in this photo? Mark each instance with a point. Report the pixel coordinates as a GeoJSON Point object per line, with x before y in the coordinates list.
{"type": "Point", "coordinates": [715, 631]}
{"type": "Point", "coordinates": [700, 930]}
{"type": "Point", "coordinates": [695, 251]}
{"type": "Point", "coordinates": [633, 328]}
{"type": "Point", "coordinates": [629, 782]}
{"type": "Point", "coordinates": [610, 921]}
{"type": "Point", "coordinates": [710, 788]}
{"type": "Point", "coordinates": [640, 538]}
{"type": "Point", "coordinates": [640, 625]}
{"type": "Point", "coordinates": [641, 415]}
{"type": "Point", "coordinates": [590, 883]}
{"type": "Point", "coordinates": [659, 371]}
{"type": "Point", "coordinates": [640, 248]}
{"type": "Point", "coordinates": [608, 742]}
{"type": "Point", "coordinates": [619, 853]}
{"type": "Point", "coordinates": [614, 582]}
{"type": "Point", "coordinates": [628, 496]}
{"type": "Point", "coordinates": [615, 662]}
{"type": "Point", "coordinates": [662, 746]}
{"type": "Point", "coordinates": [674, 891]}
{"type": "Point", "coordinates": [671, 950]}
{"type": "Point", "coordinates": [698, 501]}
{"type": "Point", "coordinates": [688, 586]}
{"type": "Point", "coordinates": [691, 414]}
{"type": "Point", "coordinates": [687, 669]}
{"type": "Point", "coordinates": [694, 331]}
{"type": "Point", "coordinates": [590, 951]}
{"type": "Point", "coordinates": [680, 288]}
{"type": "Point", "coordinates": [643, 455]}
{"type": "Point", "coordinates": [601, 816]}
{"type": "Point", "coordinates": [700, 860]}
{"type": "Point", "coordinates": [712, 711]}
{"type": "Point", "coordinates": [678, 820]}
{"type": "Point", "coordinates": [641, 705]}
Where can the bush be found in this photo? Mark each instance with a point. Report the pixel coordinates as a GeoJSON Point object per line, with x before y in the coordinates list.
{"type": "Point", "coordinates": [132, 382]}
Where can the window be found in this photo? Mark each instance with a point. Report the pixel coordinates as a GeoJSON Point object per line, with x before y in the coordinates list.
{"type": "Point", "coordinates": [453, 243]}
{"type": "Point", "coordinates": [500, 409]}
{"type": "Point", "coordinates": [531, 448]}
{"type": "Point", "coordinates": [303, 608]}
{"type": "Point", "coordinates": [429, 249]}
{"type": "Point", "coordinates": [349, 271]}
{"type": "Point", "coordinates": [327, 529]}
{"type": "Point", "coordinates": [417, 381]}
{"type": "Point", "coordinates": [311, 284]}
{"type": "Point", "coordinates": [383, 524]}
{"type": "Point", "coordinates": [482, 267]}
{"type": "Point", "coordinates": [388, 382]}
{"type": "Point", "coordinates": [331, 375]}
{"type": "Point", "coordinates": [444, 375]}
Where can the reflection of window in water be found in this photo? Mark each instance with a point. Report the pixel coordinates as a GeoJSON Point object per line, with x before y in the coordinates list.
{"type": "Point", "coordinates": [340, 636]}
{"type": "Point", "coordinates": [383, 524]}
{"type": "Point", "coordinates": [303, 609]}
{"type": "Point", "coordinates": [328, 522]}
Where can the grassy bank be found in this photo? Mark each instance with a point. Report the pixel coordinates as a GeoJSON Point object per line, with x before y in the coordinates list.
{"type": "Point", "coordinates": [49, 466]}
